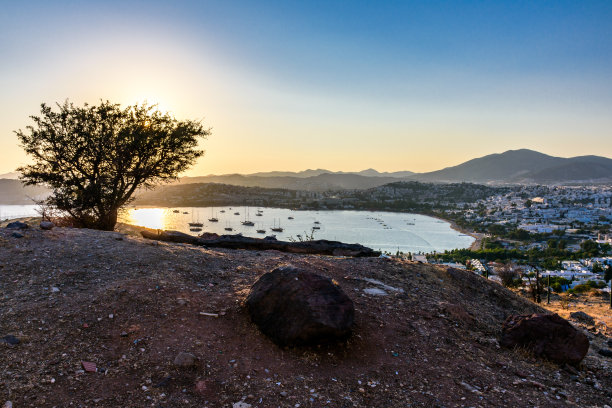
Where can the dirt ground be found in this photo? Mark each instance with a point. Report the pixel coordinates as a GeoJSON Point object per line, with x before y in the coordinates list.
{"type": "Point", "coordinates": [131, 306]}
{"type": "Point", "coordinates": [596, 307]}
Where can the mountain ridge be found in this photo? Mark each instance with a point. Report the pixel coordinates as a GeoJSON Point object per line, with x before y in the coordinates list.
{"type": "Point", "coordinates": [522, 166]}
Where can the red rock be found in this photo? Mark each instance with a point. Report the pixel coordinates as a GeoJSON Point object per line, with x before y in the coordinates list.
{"type": "Point", "coordinates": [548, 336]}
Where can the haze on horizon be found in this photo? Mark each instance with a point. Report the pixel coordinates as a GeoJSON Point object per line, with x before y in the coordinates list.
{"type": "Point", "coordinates": [336, 85]}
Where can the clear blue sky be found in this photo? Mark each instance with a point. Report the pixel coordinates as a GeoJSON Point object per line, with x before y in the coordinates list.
{"type": "Point", "coordinates": [339, 85]}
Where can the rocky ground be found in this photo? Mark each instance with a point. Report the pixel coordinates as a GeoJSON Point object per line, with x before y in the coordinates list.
{"type": "Point", "coordinates": [132, 306]}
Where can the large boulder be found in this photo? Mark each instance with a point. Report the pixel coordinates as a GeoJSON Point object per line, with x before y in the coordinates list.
{"type": "Point", "coordinates": [297, 307]}
{"type": "Point", "coordinates": [548, 336]}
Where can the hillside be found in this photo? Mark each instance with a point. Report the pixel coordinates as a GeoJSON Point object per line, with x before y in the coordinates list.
{"type": "Point", "coordinates": [14, 192]}
{"type": "Point", "coordinates": [317, 172]}
{"type": "Point", "coordinates": [320, 182]}
{"type": "Point", "coordinates": [13, 175]}
{"type": "Point", "coordinates": [524, 166]}
{"type": "Point", "coordinates": [131, 306]}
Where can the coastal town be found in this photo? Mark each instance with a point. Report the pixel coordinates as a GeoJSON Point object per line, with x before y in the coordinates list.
{"type": "Point", "coordinates": [559, 231]}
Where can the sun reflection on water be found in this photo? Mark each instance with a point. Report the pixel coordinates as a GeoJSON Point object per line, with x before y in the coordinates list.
{"type": "Point", "coordinates": [147, 217]}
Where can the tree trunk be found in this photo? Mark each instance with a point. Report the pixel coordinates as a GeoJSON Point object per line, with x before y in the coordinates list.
{"type": "Point", "coordinates": [107, 221]}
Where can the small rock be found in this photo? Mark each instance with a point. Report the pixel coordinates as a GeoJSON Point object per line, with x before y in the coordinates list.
{"type": "Point", "coordinates": [46, 225]}
{"type": "Point", "coordinates": [55, 289]}
{"type": "Point", "coordinates": [17, 225]}
{"type": "Point", "coordinates": [470, 388]}
{"type": "Point", "coordinates": [521, 374]}
{"type": "Point", "coordinates": [10, 339]}
{"type": "Point", "coordinates": [111, 316]}
{"type": "Point", "coordinates": [605, 352]}
{"type": "Point", "coordinates": [241, 404]}
{"type": "Point", "coordinates": [582, 317]}
{"type": "Point", "coordinates": [123, 334]}
{"type": "Point", "coordinates": [375, 292]}
{"type": "Point", "coordinates": [284, 394]}
{"type": "Point", "coordinates": [17, 235]}
{"type": "Point", "coordinates": [184, 359]}
{"type": "Point", "coordinates": [8, 404]}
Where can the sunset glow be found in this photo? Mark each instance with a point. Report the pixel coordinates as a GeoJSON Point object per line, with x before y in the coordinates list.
{"type": "Point", "coordinates": [324, 85]}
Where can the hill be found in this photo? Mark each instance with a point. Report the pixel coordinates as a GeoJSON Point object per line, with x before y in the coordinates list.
{"type": "Point", "coordinates": [521, 166]}
{"type": "Point", "coordinates": [13, 176]}
{"type": "Point", "coordinates": [525, 166]}
{"type": "Point", "coordinates": [131, 306]}
{"type": "Point", "coordinates": [320, 182]}
{"type": "Point", "coordinates": [14, 192]}
{"type": "Point", "coordinates": [317, 172]}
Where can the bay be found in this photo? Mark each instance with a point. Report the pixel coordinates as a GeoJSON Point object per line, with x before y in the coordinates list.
{"type": "Point", "coordinates": [385, 231]}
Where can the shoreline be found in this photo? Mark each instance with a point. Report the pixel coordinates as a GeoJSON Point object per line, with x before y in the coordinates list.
{"type": "Point", "coordinates": [476, 235]}
{"type": "Point", "coordinates": [475, 245]}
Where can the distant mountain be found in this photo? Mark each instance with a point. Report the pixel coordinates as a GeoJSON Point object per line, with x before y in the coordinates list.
{"type": "Point", "coordinates": [320, 182]}
{"type": "Point", "coordinates": [14, 192]}
{"type": "Point", "coordinates": [13, 176]}
{"type": "Point", "coordinates": [318, 172]}
{"type": "Point", "coordinates": [524, 166]}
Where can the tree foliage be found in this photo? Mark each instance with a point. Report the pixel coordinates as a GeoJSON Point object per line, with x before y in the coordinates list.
{"type": "Point", "coordinates": [95, 157]}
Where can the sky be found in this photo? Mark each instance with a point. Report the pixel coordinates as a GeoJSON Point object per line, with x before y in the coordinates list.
{"type": "Point", "coordinates": [340, 85]}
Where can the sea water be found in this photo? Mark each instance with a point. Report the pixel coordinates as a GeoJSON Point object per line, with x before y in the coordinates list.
{"type": "Point", "coordinates": [385, 231]}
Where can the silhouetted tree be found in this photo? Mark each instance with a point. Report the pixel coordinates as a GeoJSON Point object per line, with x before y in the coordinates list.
{"type": "Point", "coordinates": [95, 157]}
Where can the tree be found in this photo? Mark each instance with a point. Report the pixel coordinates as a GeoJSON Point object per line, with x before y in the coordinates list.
{"type": "Point", "coordinates": [590, 247]}
{"type": "Point", "coordinates": [608, 274]}
{"type": "Point", "coordinates": [509, 276]}
{"type": "Point", "coordinates": [95, 157]}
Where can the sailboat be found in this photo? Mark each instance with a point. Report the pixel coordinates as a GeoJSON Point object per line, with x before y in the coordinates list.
{"type": "Point", "coordinates": [246, 221]}
{"type": "Point", "coordinates": [212, 219]}
{"type": "Point", "coordinates": [227, 227]}
{"type": "Point", "coordinates": [275, 228]}
{"type": "Point", "coordinates": [261, 229]}
{"type": "Point", "coordinates": [196, 224]}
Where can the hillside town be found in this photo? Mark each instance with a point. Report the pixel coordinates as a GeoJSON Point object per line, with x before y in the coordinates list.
{"type": "Point", "coordinates": [560, 231]}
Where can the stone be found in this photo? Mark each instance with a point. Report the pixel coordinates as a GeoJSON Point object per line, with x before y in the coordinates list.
{"type": "Point", "coordinates": [184, 359]}
{"type": "Point", "coordinates": [46, 225]}
{"type": "Point", "coordinates": [17, 234]}
{"type": "Point", "coordinates": [241, 404]}
{"type": "Point", "coordinates": [17, 225]}
{"type": "Point", "coordinates": [605, 352]}
{"type": "Point", "coordinates": [298, 307]}
{"type": "Point", "coordinates": [582, 318]}
{"type": "Point", "coordinates": [547, 336]}
{"type": "Point", "coordinates": [10, 339]}
{"type": "Point", "coordinates": [375, 292]}
{"type": "Point", "coordinates": [8, 404]}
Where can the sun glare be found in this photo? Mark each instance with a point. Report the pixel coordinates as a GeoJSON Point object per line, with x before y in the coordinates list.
{"type": "Point", "coordinates": [147, 217]}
